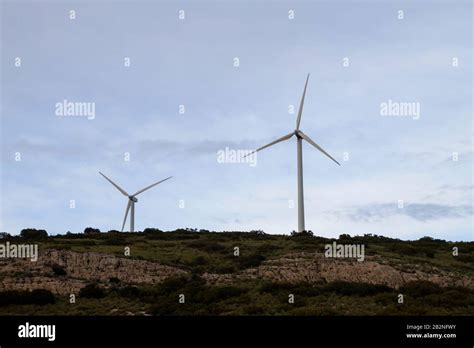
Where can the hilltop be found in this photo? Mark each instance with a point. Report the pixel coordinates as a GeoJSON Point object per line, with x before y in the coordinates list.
{"type": "Point", "coordinates": [235, 273]}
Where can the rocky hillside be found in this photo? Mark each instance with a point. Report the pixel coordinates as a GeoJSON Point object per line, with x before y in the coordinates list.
{"type": "Point", "coordinates": [234, 273]}
{"type": "Point", "coordinates": [314, 267]}
{"type": "Point", "coordinates": [78, 269]}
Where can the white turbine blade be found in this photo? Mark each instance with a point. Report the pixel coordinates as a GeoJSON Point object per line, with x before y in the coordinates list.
{"type": "Point", "coordinates": [117, 186]}
{"type": "Point", "coordinates": [286, 137]}
{"type": "Point", "coordinates": [308, 139]}
{"type": "Point", "coordinates": [298, 120]}
{"type": "Point", "coordinates": [148, 187]}
{"type": "Point", "coordinates": [126, 213]}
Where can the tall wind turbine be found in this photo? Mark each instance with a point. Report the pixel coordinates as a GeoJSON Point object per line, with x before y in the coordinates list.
{"type": "Point", "coordinates": [132, 199]}
{"type": "Point", "coordinates": [299, 150]}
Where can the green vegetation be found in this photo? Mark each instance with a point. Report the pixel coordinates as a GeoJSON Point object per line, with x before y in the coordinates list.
{"type": "Point", "coordinates": [203, 251]}
{"type": "Point", "coordinates": [92, 291]}
{"type": "Point", "coordinates": [36, 297]}
{"type": "Point", "coordinates": [253, 298]}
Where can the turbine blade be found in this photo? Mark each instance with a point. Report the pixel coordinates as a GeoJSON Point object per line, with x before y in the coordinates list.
{"type": "Point", "coordinates": [309, 140]}
{"type": "Point", "coordinates": [148, 187]}
{"type": "Point", "coordinates": [300, 111]}
{"type": "Point", "coordinates": [286, 137]}
{"type": "Point", "coordinates": [126, 213]}
{"type": "Point", "coordinates": [116, 186]}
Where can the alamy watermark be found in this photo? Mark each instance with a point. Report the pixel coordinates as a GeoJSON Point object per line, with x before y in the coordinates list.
{"type": "Point", "coordinates": [345, 251]}
{"type": "Point", "coordinates": [22, 251]}
{"type": "Point", "coordinates": [28, 330]}
{"type": "Point", "coordinates": [228, 155]}
{"type": "Point", "coordinates": [393, 108]}
{"type": "Point", "coordinates": [68, 108]}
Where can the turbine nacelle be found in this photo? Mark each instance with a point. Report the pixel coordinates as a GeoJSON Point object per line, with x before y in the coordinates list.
{"type": "Point", "coordinates": [133, 199]}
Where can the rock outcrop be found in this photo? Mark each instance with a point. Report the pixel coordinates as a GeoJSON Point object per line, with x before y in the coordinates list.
{"type": "Point", "coordinates": [80, 268]}
{"type": "Point", "coordinates": [314, 267]}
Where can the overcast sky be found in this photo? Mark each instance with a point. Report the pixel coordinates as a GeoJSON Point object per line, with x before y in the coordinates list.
{"type": "Point", "coordinates": [191, 62]}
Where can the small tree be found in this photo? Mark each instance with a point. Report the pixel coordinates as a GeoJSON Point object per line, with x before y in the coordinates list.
{"type": "Point", "coordinates": [33, 233]}
{"type": "Point", "coordinates": [305, 233]}
{"type": "Point", "coordinates": [345, 237]}
{"type": "Point", "coordinates": [152, 230]}
{"type": "Point", "coordinates": [90, 230]}
{"type": "Point", "coordinates": [92, 291]}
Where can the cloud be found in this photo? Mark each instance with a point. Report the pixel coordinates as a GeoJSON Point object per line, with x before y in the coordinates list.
{"type": "Point", "coordinates": [43, 147]}
{"type": "Point", "coordinates": [423, 212]}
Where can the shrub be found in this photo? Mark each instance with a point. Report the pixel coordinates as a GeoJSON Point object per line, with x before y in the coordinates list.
{"type": "Point", "coordinates": [253, 260]}
{"type": "Point", "coordinates": [352, 288]}
{"type": "Point", "coordinates": [216, 294]}
{"type": "Point", "coordinates": [172, 285]}
{"type": "Point", "coordinates": [253, 309]}
{"type": "Point", "coordinates": [90, 230]}
{"type": "Point", "coordinates": [208, 246]}
{"type": "Point", "coordinates": [33, 233]}
{"type": "Point", "coordinates": [42, 297]}
{"type": "Point", "coordinates": [152, 230]}
{"type": "Point", "coordinates": [465, 258]}
{"type": "Point", "coordinates": [402, 249]}
{"type": "Point", "coordinates": [199, 261]}
{"type": "Point", "coordinates": [92, 291]}
{"type": "Point", "coordinates": [302, 234]}
{"type": "Point", "coordinates": [451, 298]}
{"type": "Point", "coordinates": [130, 292]}
{"type": "Point", "coordinates": [420, 288]}
{"type": "Point", "coordinates": [58, 270]}
{"type": "Point", "coordinates": [429, 254]}
{"type": "Point", "coordinates": [258, 232]}
{"type": "Point", "coordinates": [274, 288]}
{"type": "Point", "coordinates": [166, 306]}
{"type": "Point", "coordinates": [267, 249]}
{"type": "Point", "coordinates": [20, 297]}
{"type": "Point", "coordinates": [4, 235]}
{"type": "Point", "coordinates": [385, 298]}
{"type": "Point", "coordinates": [86, 242]}
{"type": "Point", "coordinates": [115, 241]}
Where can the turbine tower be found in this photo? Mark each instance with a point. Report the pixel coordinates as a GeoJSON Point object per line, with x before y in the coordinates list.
{"type": "Point", "coordinates": [299, 151]}
{"type": "Point", "coordinates": [132, 199]}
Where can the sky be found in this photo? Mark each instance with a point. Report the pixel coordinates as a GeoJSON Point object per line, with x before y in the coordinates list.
{"type": "Point", "coordinates": [403, 176]}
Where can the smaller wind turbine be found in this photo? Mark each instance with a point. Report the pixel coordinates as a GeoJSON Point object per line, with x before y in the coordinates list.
{"type": "Point", "coordinates": [132, 199]}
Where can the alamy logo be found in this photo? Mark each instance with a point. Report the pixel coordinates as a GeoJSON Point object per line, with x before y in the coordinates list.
{"type": "Point", "coordinates": [237, 156]}
{"type": "Point", "coordinates": [68, 108]}
{"type": "Point", "coordinates": [345, 251]}
{"type": "Point", "coordinates": [22, 251]}
{"type": "Point", "coordinates": [37, 331]}
{"type": "Point", "coordinates": [393, 108]}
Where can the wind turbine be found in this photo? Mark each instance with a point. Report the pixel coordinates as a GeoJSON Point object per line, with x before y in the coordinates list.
{"type": "Point", "coordinates": [299, 150]}
{"type": "Point", "coordinates": [132, 199]}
